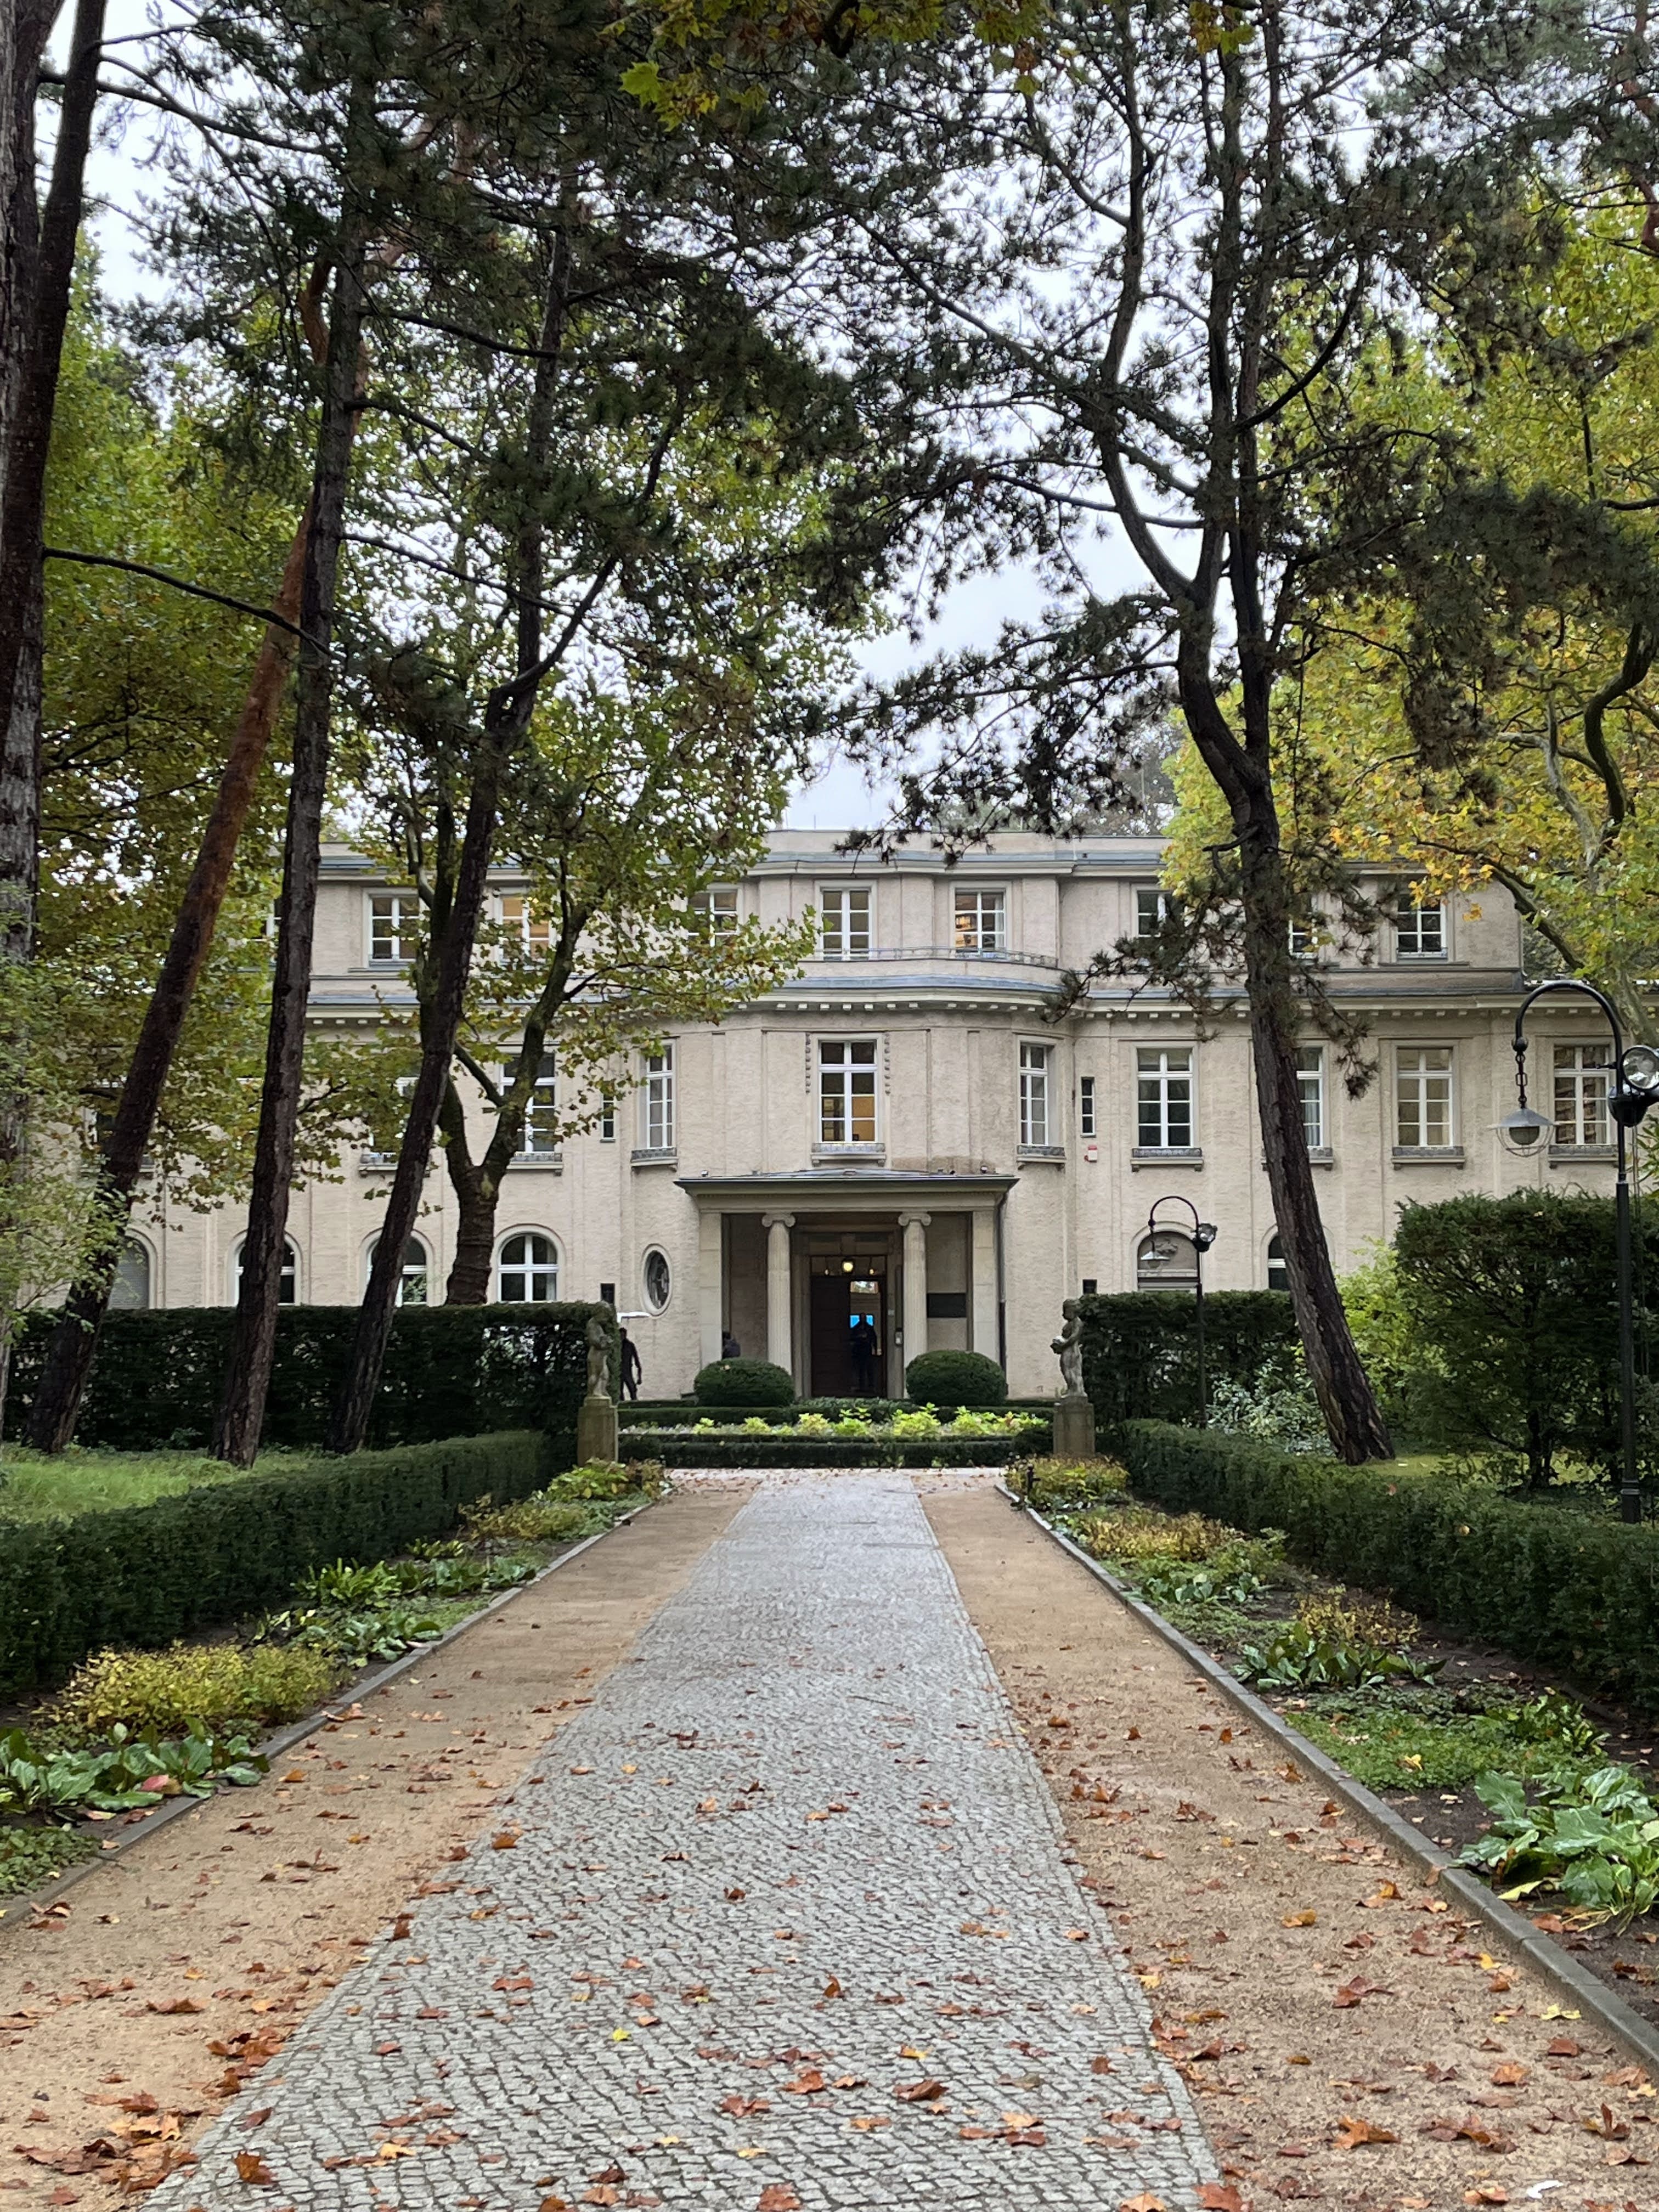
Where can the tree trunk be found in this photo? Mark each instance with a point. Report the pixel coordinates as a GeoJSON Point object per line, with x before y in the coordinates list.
{"type": "Point", "coordinates": [476, 1195]}
{"type": "Point", "coordinates": [68, 1357]}
{"type": "Point", "coordinates": [253, 1339]}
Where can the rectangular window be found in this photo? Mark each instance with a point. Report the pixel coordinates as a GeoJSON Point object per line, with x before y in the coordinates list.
{"type": "Point", "coordinates": [394, 927]}
{"type": "Point", "coordinates": [1152, 910]}
{"type": "Point", "coordinates": [539, 1140]}
{"type": "Point", "coordinates": [847, 1092]}
{"type": "Point", "coordinates": [657, 1102]}
{"type": "Point", "coordinates": [1085, 1106]}
{"type": "Point", "coordinates": [608, 1117]}
{"type": "Point", "coordinates": [1582, 1072]}
{"type": "Point", "coordinates": [1310, 1081]}
{"type": "Point", "coordinates": [1165, 1098]}
{"type": "Point", "coordinates": [716, 911]}
{"type": "Point", "coordinates": [1302, 936]}
{"type": "Point", "coordinates": [1423, 1097]}
{"type": "Point", "coordinates": [1420, 932]}
{"type": "Point", "coordinates": [1034, 1095]}
{"type": "Point", "coordinates": [846, 915]}
{"type": "Point", "coordinates": [981, 923]}
{"type": "Point", "coordinates": [532, 930]}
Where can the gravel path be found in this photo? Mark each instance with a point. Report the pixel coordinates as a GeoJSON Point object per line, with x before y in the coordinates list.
{"type": "Point", "coordinates": [787, 1923]}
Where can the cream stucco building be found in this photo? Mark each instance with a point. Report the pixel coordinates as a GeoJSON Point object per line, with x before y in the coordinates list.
{"type": "Point", "coordinates": [904, 1135]}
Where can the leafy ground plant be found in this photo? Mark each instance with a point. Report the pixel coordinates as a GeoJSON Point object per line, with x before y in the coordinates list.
{"type": "Point", "coordinates": [1299, 1658]}
{"type": "Point", "coordinates": [208, 1685]}
{"type": "Point", "coordinates": [129, 1772]}
{"type": "Point", "coordinates": [1592, 1834]}
{"type": "Point", "coordinates": [1432, 1739]}
{"type": "Point", "coordinates": [30, 1855]}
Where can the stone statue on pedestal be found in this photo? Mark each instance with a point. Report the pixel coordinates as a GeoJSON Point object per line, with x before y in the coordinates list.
{"type": "Point", "coordinates": [599, 1359]}
{"type": "Point", "coordinates": [1074, 1417]}
{"type": "Point", "coordinates": [597, 1438]}
{"type": "Point", "coordinates": [1069, 1345]}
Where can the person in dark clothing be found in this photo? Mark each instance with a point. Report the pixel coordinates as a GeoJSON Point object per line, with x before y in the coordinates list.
{"type": "Point", "coordinates": [631, 1370]}
{"type": "Point", "coordinates": [730, 1348]}
{"type": "Point", "coordinates": [863, 1348]}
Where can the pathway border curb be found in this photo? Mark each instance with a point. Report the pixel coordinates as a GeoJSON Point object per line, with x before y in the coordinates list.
{"type": "Point", "coordinates": [284, 1739]}
{"type": "Point", "coordinates": [1512, 1930]}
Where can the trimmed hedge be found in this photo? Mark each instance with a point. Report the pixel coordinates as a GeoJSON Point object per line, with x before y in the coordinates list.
{"type": "Point", "coordinates": [148, 1575]}
{"type": "Point", "coordinates": [681, 1450]}
{"type": "Point", "coordinates": [450, 1372]}
{"type": "Point", "coordinates": [958, 1378]}
{"type": "Point", "coordinates": [1569, 1589]}
{"type": "Point", "coordinates": [737, 1382]}
{"type": "Point", "coordinates": [1140, 1350]}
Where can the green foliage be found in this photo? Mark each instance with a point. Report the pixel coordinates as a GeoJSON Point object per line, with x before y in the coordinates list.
{"type": "Point", "coordinates": [1140, 1355]}
{"type": "Point", "coordinates": [684, 1448]}
{"type": "Point", "coordinates": [1067, 1486]}
{"type": "Point", "coordinates": [1389, 1747]}
{"type": "Point", "coordinates": [129, 1772]}
{"type": "Point", "coordinates": [32, 1855]}
{"type": "Point", "coordinates": [148, 1575]}
{"type": "Point", "coordinates": [1299, 1658]}
{"type": "Point", "coordinates": [955, 1378]}
{"type": "Point", "coordinates": [1577, 1593]}
{"type": "Point", "coordinates": [1223, 1581]}
{"type": "Point", "coordinates": [743, 1382]}
{"type": "Point", "coordinates": [1595, 1836]}
{"type": "Point", "coordinates": [209, 1685]}
{"type": "Point", "coordinates": [1512, 1302]}
{"type": "Point", "coordinates": [1383, 1332]}
{"type": "Point", "coordinates": [450, 1372]}
{"type": "Point", "coordinates": [540, 1519]}
{"type": "Point", "coordinates": [1278, 1406]}
{"type": "Point", "coordinates": [58, 1486]}
{"type": "Point", "coordinates": [353, 1635]}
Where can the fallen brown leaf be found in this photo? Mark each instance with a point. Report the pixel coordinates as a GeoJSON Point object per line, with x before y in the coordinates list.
{"type": "Point", "coordinates": [920, 2093]}
{"type": "Point", "coordinates": [250, 2167]}
{"type": "Point", "coordinates": [779, 2196]}
{"type": "Point", "coordinates": [1351, 2133]}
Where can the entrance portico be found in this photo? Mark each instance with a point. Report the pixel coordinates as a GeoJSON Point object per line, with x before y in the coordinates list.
{"type": "Point", "coordinates": [843, 1276]}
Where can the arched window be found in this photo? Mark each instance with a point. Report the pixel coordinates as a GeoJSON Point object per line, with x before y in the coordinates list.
{"type": "Point", "coordinates": [288, 1291]}
{"type": "Point", "coordinates": [130, 1290]}
{"type": "Point", "coordinates": [527, 1268]}
{"type": "Point", "coordinates": [1166, 1260]}
{"type": "Point", "coordinates": [1279, 1277]}
{"type": "Point", "coordinates": [412, 1282]}
{"type": "Point", "coordinates": [657, 1279]}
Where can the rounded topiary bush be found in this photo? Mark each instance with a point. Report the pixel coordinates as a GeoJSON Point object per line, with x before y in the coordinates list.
{"type": "Point", "coordinates": [743, 1382]}
{"type": "Point", "coordinates": [955, 1378]}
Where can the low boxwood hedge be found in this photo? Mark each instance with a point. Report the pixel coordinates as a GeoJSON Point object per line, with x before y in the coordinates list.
{"type": "Point", "coordinates": [148, 1575]}
{"type": "Point", "coordinates": [1560, 1586]}
{"type": "Point", "coordinates": [680, 1449]}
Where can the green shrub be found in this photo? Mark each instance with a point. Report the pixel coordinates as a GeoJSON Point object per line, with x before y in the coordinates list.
{"type": "Point", "coordinates": [30, 1857]}
{"type": "Point", "coordinates": [955, 1378]}
{"type": "Point", "coordinates": [1512, 1301]}
{"type": "Point", "coordinates": [148, 1575]}
{"type": "Point", "coordinates": [743, 1382]}
{"type": "Point", "coordinates": [540, 1519]}
{"type": "Point", "coordinates": [1058, 1486]}
{"type": "Point", "coordinates": [685, 1447]}
{"type": "Point", "coordinates": [1140, 1350]}
{"type": "Point", "coordinates": [209, 1685]}
{"type": "Point", "coordinates": [1577, 1593]}
{"type": "Point", "coordinates": [449, 1371]}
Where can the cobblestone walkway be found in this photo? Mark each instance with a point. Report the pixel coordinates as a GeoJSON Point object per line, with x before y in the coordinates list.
{"type": "Point", "coordinates": [786, 1923]}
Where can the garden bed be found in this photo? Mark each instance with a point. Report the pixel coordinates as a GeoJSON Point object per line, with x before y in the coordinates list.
{"type": "Point", "coordinates": [134, 1728]}
{"type": "Point", "coordinates": [1420, 1716]}
{"type": "Point", "coordinates": [920, 1439]}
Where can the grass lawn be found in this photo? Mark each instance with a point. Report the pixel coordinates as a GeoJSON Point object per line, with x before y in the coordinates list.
{"type": "Point", "coordinates": [41, 1486]}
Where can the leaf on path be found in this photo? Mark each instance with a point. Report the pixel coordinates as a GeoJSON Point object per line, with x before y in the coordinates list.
{"type": "Point", "coordinates": [1300, 1920]}
{"type": "Point", "coordinates": [807, 2083]}
{"type": "Point", "coordinates": [1351, 2133]}
{"type": "Point", "coordinates": [173, 2005]}
{"type": "Point", "coordinates": [920, 2093]}
{"type": "Point", "coordinates": [779, 2196]}
{"type": "Point", "coordinates": [1145, 2202]}
{"type": "Point", "coordinates": [1510, 2075]}
{"type": "Point", "coordinates": [743, 2108]}
{"type": "Point", "coordinates": [1386, 1893]}
{"type": "Point", "coordinates": [250, 2167]}
{"type": "Point", "coordinates": [1354, 1992]}
{"type": "Point", "coordinates": [507, 1841]}
{"type": "Point", "coordinates": [1486, 2192]}
{"type": "Point", "coordinates": [864, 2125]}
{"type": "Point", "coordinates": [1563, 2046]}
{"type": "Point", "coordinates": [1220, 2196]}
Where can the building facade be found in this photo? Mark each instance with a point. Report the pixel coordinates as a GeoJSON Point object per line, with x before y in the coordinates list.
{"type": "Point", "coordinates": [918, 1143]}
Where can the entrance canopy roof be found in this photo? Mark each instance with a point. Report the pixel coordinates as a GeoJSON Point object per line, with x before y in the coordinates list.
{"type": "Point", "coordinates": [847, 1190]}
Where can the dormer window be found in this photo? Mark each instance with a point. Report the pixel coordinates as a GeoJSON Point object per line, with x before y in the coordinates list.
{"type": "Point", "coordinates": [980, 922]}
{"type": "Point", "coordinates": [715, 912]}
{"type": "Point", "coordinates": [394, 927]}
{"type": "Point", "coordinates": [1152, 910]}
{"type": "Point", "coordinates": [846, 921]}
{"type": "Point", "coordinates": [1419, 930]}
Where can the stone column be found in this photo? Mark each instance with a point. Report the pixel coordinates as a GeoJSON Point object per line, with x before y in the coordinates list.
{"type": "Point", "coordinates": [711, 1284]}
{"type": "Point", "coordinates": [983, 1336]}
{"type": "Point", "coordinates": [914, 1226]}
{"type": "Point", "coordinates": [780, 1290]}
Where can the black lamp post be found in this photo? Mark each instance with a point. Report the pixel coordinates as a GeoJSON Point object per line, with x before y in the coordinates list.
{"type": "Point", "coordinates": [1635, 1088]}
{"type": "Point", "coordinates": [1204, 1234]}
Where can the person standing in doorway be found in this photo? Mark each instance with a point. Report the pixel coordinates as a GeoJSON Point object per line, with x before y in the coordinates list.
{"type": "Point", "coordinates": [631, 1368]}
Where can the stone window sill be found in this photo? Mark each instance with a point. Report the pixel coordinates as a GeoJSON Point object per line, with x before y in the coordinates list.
{"type": "Point", "coordinates": [385, 1164]}
{"type": "Point", "coordinates": [1428, 1156]}
{"type": "Point", "coordinates": [1040, 1155]}
{"type": "Point", "coordinates": [552, 1163]}
{"type": "Point", "coordinates": [829, 1154]}
{"type": "Point", "coordinates": [1570, 1156]}
{"type": "Point", "coordinates": [1167, 1155]}
{"type": "Point", "coordinates": [645, 1156]}
{"type": "Point", "coordinates": [1318, 1156]}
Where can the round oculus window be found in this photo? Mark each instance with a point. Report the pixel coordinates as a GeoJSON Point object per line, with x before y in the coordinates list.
{"type": "Point", "coordinates": [658, 1280]}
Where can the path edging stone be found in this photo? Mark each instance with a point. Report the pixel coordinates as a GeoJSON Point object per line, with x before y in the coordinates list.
{"type": "Point", "coordinates": [1513, 1930]}
{"type": "Point", "coordinates": [283, 1739]}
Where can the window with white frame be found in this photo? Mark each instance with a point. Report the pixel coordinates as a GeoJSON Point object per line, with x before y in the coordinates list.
{"type": "Point", "coordinates": [715, 911]}
{"type": "Point", "coordinates": [412, 1276]}
{"type": "Point", "coordinates": [845, 922]}
{"type": "Point", "coordinates": [1087, 1125]}
{"type": "Point", "coordinates": [528, 925]}
{"type": "Point", "coordinates": [657, 1102]}
{"type": "Point", "coordinates": [1419, 930]}
{"type": "Point", "coordinates": [980, 921]}
{"type": "Point", "coordinates": [287, 1283]}
{"type": "Point", "coordinates": [1423, 1097]}
{"type": "Point", "coordinates": [1163, 1088]}
{"type": "Point", "coordinates": [1034, 1121]}
{"type": "Point", "coordinates": [1151, 909]}
{"type": "Point", "coordinates": [607, 1117]}
{"type": "Point", "coordinates": [847, 1090]}
{"type": "Point", "coordinates": [538, 1139]}
{"type": "Point", "coordinates": [1582, 1073]}
{"type": "Point", "coordinates": [394, 927]}
{"type": "Point", "coordinates": [527, 1269]}
{"type": "Point", "coordinates": [1310, 1082]}
{"type": "Point", "coordinates": [129, 1289]}
{"type": "Point", "coordinates": [1302, 936]}
{"type": "Point", "coordinates": [1279, 1275]}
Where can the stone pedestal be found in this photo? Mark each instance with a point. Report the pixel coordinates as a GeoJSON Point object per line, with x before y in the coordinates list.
{"type": "Point", "coordinates": [596, 1432]}
{"type": "Point", "coordinates": [1074, 1427]}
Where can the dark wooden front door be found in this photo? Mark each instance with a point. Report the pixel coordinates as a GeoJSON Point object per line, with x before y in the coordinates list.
{"type": "Point", "coordinates": [849, 1336]}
